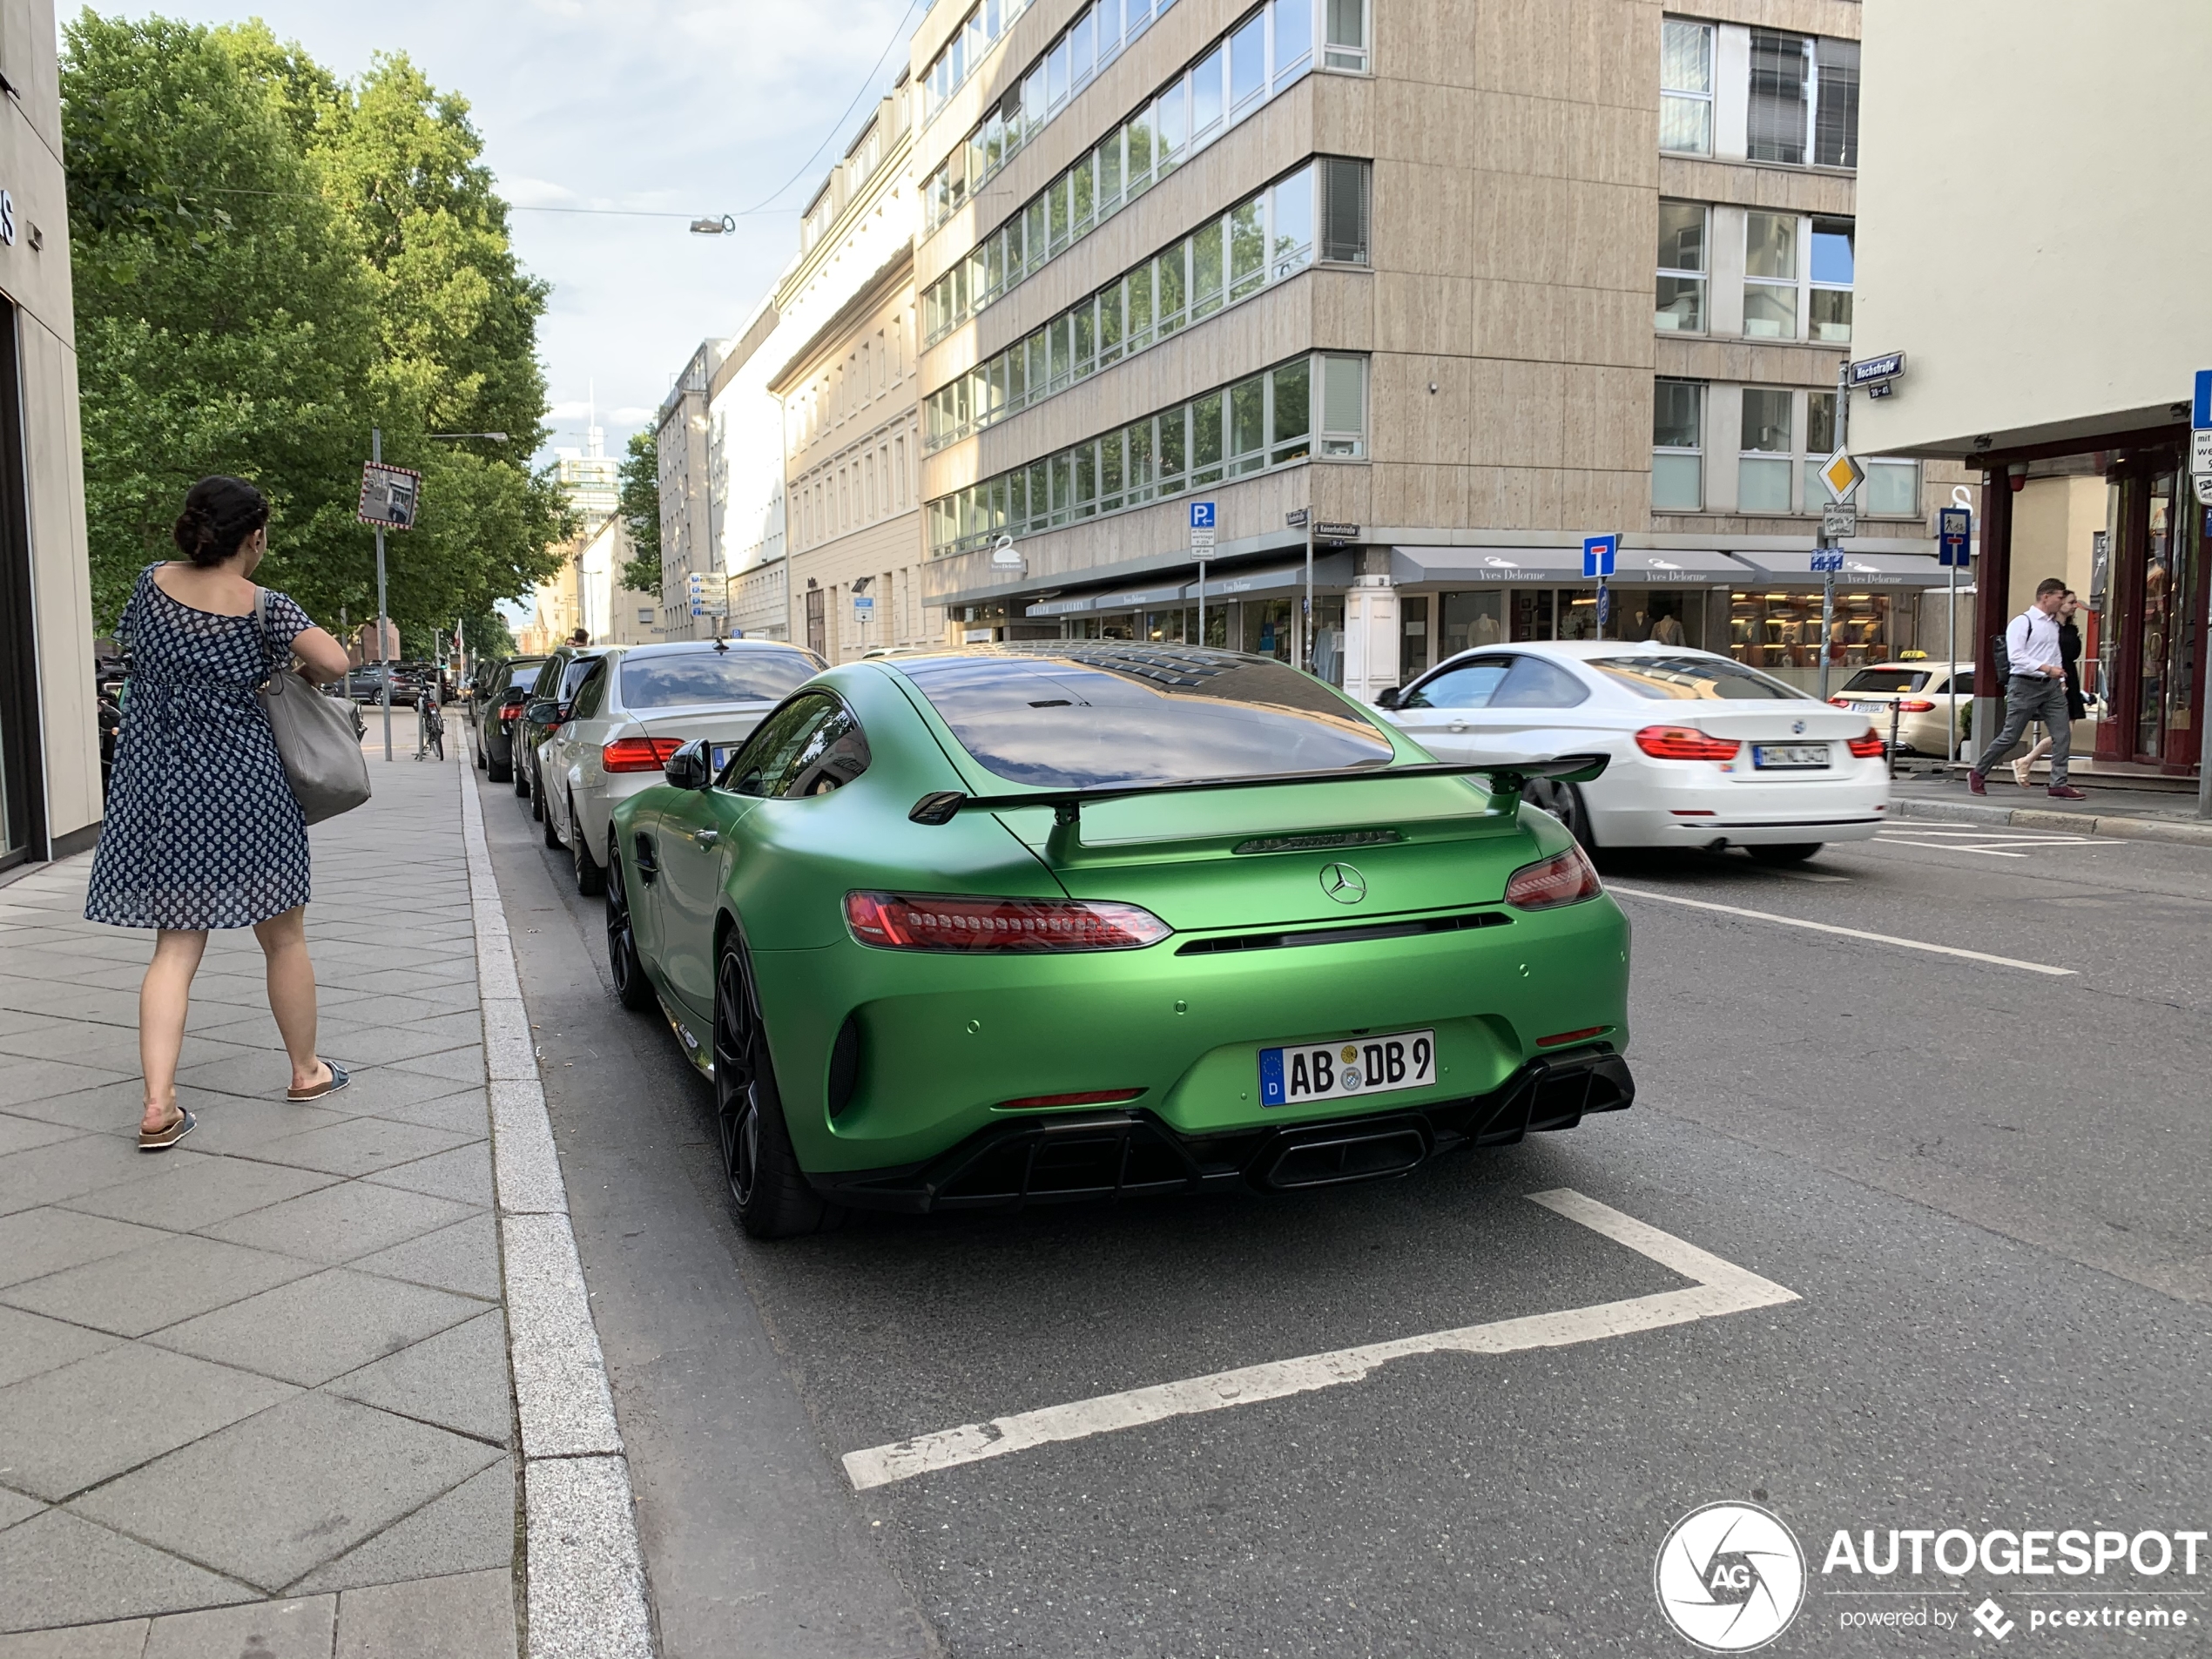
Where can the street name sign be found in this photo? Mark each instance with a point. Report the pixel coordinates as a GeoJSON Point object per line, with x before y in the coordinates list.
{"type": "Point", "coordinates": [390, 496]}
{"type": "Point", "coordinates": [1843, 476]}
{"type": "Point", "coordinates": [1296, 517]}
{"type": "Point", "coordinates": [1870, 370]}
{"type": "Point", "coordinates": [1954, 537]}
{"type": "Point", "coordinates": [1325, 531]}
{"type": "Point", "coordinates": [1837, 520]}
{"type": "Point", "coordinates": [1598, 554]}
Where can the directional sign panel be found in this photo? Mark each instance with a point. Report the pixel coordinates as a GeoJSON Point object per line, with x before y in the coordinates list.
{"type": "Point", "coordinates": [1843, 475]}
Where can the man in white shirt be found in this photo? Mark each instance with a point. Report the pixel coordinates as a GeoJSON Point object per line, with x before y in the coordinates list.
{"type": "Point", "coordinates": [2036, 690]}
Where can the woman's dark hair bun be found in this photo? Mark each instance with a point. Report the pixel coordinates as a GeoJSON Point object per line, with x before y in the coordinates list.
{"type": "Point", "coordinates": [218, 514]}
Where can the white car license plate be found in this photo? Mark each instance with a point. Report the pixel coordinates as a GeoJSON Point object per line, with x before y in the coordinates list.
{"type": "Point", "coordinates": [1292, 1077]}
{"type": "Point", "coordinates": [1869, 708]}
{"type": "Point", "coordinates": [1788, 756]}
{"type": "Point", "coordinates": [722, 752]}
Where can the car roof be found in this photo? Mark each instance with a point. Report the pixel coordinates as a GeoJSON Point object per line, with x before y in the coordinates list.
{"type": "Point", "coordinates": [687, 647]}
{"type": "Point", "coordinates": [1925, 664]}
{"type": "Point", "coordinates": [1582, 650]}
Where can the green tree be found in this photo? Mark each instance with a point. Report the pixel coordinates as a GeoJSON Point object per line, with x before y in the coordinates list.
{"type": "Point", "coordinates": [639, 474]}
{"type": "Point", "coordinates": [203, 155]}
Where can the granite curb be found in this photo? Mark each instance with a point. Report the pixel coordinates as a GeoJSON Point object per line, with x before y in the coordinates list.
{"type": "Point", "coordinates": [584, 1578]}
{"type": "Point", "coordinates": [2179, 832]}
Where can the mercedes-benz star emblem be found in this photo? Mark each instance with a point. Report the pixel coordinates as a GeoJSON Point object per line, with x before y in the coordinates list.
{"type": "Point", "coordinates": [1343, 883]}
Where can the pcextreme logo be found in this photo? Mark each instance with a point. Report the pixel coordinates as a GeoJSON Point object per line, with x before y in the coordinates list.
{"type": "Point", "coordinates": [1729, 1577]}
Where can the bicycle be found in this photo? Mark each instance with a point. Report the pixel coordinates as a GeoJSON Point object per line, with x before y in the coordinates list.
{"type": "Point", "coordinates": [429, 726]}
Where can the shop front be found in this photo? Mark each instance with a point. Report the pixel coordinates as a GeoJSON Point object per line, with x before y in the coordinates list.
{"type": "Point", "coordinates": [2150, 613]}
{"type": "Point", "coordinates": [1774, 620]}
{"type": "Point", "coordinates": [1256, 608]}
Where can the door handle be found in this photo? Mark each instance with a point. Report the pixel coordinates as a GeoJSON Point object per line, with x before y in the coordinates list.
{"type": "Point", "coordinates": [706, 837]}
{"type": "Point", "coordinates": [1459, 725]}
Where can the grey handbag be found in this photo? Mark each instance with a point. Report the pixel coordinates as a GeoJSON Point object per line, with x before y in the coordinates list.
{"type": "Point", "coordinates": [314, 734]}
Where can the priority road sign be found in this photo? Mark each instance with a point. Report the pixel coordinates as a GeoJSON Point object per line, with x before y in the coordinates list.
{"type": "Point", "coordinates": [1843, 475]}
{"type": "Point", "coordinates": [1598, 554]}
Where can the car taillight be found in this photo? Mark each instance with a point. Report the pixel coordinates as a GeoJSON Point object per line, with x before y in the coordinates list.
{"type": "Point", "coordinates": [510, 714]}
{"type": "Point", "coordinates": [1868, 747]}
{"type": "Point", "coordinates": [1840, 702]}
{"type": "Point", "coordinates": [1916, 705]}
{"type": "Point", "coordinates": [1566, 878]}
{"type": "Point", "coordinates": [638, 754]}
{"type": "Point", "coordinates": [1681, 743]}
{"type": "Point", "coordinates": [939, 921]}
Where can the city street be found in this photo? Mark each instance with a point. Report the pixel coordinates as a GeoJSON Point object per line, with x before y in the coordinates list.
{"type": "Point", "coordinates": [1949, 1206]}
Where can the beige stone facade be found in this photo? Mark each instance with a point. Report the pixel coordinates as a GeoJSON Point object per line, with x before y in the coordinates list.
{"type": "Point", "coordinates": [50, 797]}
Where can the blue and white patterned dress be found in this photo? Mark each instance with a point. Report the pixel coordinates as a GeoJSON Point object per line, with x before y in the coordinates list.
{"type": "Point", "coordinates": [202, 828]}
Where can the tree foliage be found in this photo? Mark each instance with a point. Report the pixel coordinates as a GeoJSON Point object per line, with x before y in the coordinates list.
{"type": "Point", "coordinates": [639, 505]}
{"type": "Point", "coordinates": [270, 261]}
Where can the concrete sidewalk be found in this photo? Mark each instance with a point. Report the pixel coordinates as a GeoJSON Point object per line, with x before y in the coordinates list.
{"type": "Point", "coordinates": [254, 1393]}
{"type": "Point", "coordinates": [2125, 815]}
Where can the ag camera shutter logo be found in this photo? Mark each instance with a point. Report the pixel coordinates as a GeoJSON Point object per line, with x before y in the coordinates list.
{"type": "Point", "coordinates": [1729, 1577]}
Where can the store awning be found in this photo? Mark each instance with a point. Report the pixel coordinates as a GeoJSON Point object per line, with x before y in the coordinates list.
{"type": "Point", "coordinates": [1332, 571]}
{"type": "Point", "coordinates": [1516, 567]}
{"type": "Point", "coordinates": [1120, 599]}
{"type": "Point", "coordinates": [1794, 569]}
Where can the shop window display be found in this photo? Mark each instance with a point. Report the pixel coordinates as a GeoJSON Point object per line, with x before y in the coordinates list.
{"type": "Point", "coordinates": [1781, 630]}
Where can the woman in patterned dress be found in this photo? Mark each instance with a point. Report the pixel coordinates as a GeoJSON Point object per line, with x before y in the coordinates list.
{"type": "Point", "coordinates": [202, 829]}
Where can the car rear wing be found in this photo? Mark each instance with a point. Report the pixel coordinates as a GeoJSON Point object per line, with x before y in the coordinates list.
{"type": "Point", "coordinates": [1507, 779]}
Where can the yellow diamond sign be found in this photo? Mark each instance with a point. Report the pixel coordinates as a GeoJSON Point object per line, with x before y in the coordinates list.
{"type": "Point", "coordinates": [1843, 476]}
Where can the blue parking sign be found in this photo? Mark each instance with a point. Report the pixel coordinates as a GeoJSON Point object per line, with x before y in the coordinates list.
{"type": "Point", "coordinates": [1201, 515]}
{"type": "Point", "coordinates": [1598, 553]}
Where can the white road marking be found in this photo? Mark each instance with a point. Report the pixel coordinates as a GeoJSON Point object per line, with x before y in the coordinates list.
{"type": "Point", "coordinates": [1847, 933]}
{"type": "Point", "coordinates": [1718, 1288]}
{"type": "Point", "coordinates": [1947, 846]}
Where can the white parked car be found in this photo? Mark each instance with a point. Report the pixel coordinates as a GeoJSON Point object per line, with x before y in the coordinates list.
{"type": "Point", "coordinates": [1704, 752]}
{"type": "Point", "coordinates": [639, 705]}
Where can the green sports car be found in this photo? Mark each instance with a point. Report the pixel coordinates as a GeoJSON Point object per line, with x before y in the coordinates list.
{"type": "Point", "coordinates": [1088, 918]}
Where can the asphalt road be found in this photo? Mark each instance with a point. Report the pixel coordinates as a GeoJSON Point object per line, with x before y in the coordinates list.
{"type": "Point", "coordinates": [1987, 1187]}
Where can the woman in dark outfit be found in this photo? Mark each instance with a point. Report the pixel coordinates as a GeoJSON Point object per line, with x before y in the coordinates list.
{"type": "Point", "coordinates": [2070, 660]}
{"type": "Point", "coordinates": [202, 829]}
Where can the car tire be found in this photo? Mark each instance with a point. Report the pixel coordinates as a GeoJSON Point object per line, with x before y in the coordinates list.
{"type": "Point", "coordinates": [1564, 802]}
{"type": "Point", "coordinates": [537, 792]}
{"type": "Point", "coordinates": [520, 774]}
{"type": "Point", "coordinates": [483, 765]}
{"type": "Point", "coordinates": [767, 1188]}
{"type": "Point", "coordinates": [632, 988]}
{"type": "Point", "coordinates": [590, 878]}
{"type": "Point", "coordinates": [497, 772]}
{"type": "Point", "coordinates": [540, 811]}
{"type": "Point", "coordinates": [1783, 853]}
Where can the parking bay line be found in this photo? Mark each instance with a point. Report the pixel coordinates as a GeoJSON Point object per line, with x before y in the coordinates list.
{"type": "Point", "coordinates": [1718, 1287]}
{"type": "Point", "coordinates": [1848, 933]}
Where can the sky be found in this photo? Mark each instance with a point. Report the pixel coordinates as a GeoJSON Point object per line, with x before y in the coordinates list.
{"type": "Point", "coordinates": [668, 105]}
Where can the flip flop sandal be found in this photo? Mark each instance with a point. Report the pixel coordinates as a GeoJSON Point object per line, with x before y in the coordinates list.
{"type": "Point", "coordinates": [161, 1140]}
{"type": "Point", "coordinates": [339, 1079]}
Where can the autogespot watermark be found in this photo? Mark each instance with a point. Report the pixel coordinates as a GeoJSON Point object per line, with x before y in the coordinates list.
{"type": "Point", "coordinates": [1731, 1578]}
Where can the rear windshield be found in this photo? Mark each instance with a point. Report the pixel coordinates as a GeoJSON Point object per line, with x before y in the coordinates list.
{"type": "Point", "coordinates": [1692, 678]}
{"type": "Point", "coordinates": [1887, 679]}
{"type": "Point", "coordinates": [676, 681]}
{"type": "Point", "coordinates": [1080, 715]}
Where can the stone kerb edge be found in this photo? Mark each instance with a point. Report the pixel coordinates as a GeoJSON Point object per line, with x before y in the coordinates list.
{"type": "Point", "coordinates": [584, 1581]}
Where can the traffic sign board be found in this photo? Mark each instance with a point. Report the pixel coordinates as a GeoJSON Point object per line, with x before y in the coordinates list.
{"type": "Point", "coordinates": [1954, 536]}
{"type": "Point", "coordinates": [1837, 520]}
{"type": "Point", "coordinates": [1201, 515]}
{"type": "Point", "coordinates": [863, 608]}
{"type": "Point", "coordinates": [1598, 553]}
{"type": "Point", "coordinates": [2200, 403]}
{"type": "Point", "coordinates": [1843, 475]}
{"type": "Point", "coordinates": [1325, 531]}
{"type": "Point", "coordinates": [1830, 559]}
{"type": "Point", "coordinates": [1201, 538]}
{"type": "Point", "coordinates": [2201, 449]}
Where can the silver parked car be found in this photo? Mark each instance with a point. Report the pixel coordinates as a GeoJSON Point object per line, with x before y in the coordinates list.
{"type": "Point", "coordinates": [638, 705]}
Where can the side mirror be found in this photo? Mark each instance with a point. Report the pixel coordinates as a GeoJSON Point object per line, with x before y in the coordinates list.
{"type": "Point", "coordinates": [1387, 698]}
{"type": "Point", "coordinates": [542, 710]}
{"type": "Point", "coordinates": [514, 696]}
{"type": "Point", "coordinates": [689, 768]}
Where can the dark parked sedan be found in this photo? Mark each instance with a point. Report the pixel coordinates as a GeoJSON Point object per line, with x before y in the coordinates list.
{"type": "Point", "coordinates": [501, 688]}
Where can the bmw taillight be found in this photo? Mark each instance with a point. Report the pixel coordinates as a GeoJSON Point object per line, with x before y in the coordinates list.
{"type": "Point", "coordinates": [943, 922]}
{"type": "Point", "coordinates": [638, 754]}
{"type": "Point", "coordinates": [1868, 747]}
{"type": "Point", "coordinates": [1681, 743]}
{"type": "Point", "coordinates": [1565, 878]}
{"type": "Point", "coordinates": [511, 712]}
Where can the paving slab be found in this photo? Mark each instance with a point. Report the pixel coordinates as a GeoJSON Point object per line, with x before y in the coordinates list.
{"type": "Point", "coordinates": [300, 1628]}
{"type": "Point", "coordinates": [461, 1065]}
{"type": "Point", "coordinates": [188, 1189]}
{"type": "Point", "coordinates": [469, 1529]}
{"type": "Point", "coordinates": [145, 1289]}
{"type": "Point", "coordinates": [464, 1257]}
{"type": "Point", "coordinates": [34, 1243]}
{"type": "Point", "coordinates": [124, 1639]}
{"type": "Point", "coordinates": [21, 1134]}
{"type": "Point", "coordinates": [60, 1569]}
{"type": "Point", "coordinates": [466, 1617]}
{"type": "Point", "coordinates": [314, 1329]}
{"type": "Point", "coordinates": [70, 1428]}
{"type": "Point", "coordinates": [460, 1114]}
{"type": "Point", "coordinates": [337, 1224]}
{"type": "Point", "coordinates": [463, 1174]}
{"type": "Point", "coordinates": [15, 1507]}
{"type": "Point", "coordinates": [359, 1145]}
{"type": "Point", "coordinates": [456, 1379]}
{"type": "Point", "coordinates": [49, 1174]}
{"type": "Point", "coordinates": [31, 1344]}
{"type": "Point", "coordinates": [270, 1498]}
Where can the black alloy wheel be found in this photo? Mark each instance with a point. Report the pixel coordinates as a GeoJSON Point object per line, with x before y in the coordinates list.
{"type": "Point", "coordinates": [590, 878]}
{"type": "Point", "coordinates": [537, 800]}
{"type": "Point", "coordinates": [518, 769]}
{"type": "Point", "coordinates": [552, 830]}
{"type": "Point", "coordinates": [770, 1192]}
{"type": "Point", "coordinates": [1564, 802]}
{"type": "Point", "coordinates": [1786, 852]}
{"type": "Point", "coordinates": [632, 990]}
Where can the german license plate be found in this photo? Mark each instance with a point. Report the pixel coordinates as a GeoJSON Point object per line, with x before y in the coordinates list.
{"type": "Point", "coordinates": [1869, 708]}
{"type": "Point", "coordinates": [1357, 1066]}
{"type": "Point", "coordinates": [1788, 756]}
{"type": "Point", "coordinates": [722, 753]}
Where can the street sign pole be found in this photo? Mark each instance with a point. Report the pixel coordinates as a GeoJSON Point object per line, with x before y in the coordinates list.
{"type": "Point", "coordinates": [1598, 554]}
{"type": "Point", "coordinates": [1204, 527]}
{"type": "Point", "coordinates": [2201, 469]}
{"type": "Point", "coordinates": [1827, 626]}
{"type": "Point", "coordinates": [1306, 622]}
{"type": "Point", "coordinates": [1201, 602]}
{"type": "Point", "coordinates": [376, 453]}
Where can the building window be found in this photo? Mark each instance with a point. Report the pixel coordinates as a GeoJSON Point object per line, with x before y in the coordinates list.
{"type": "Point", "coordinates": [1763, 470]}
{"type": "Point", "coordinates": [1770, 276]}
{"type": "Point", "coordinates": [1686, 87]}
{"type": "Point", "coordinates": [1680, 304]}
{"type": "Point", "coordinates": [1892, 490]}
{"type": "Point", "coordinates": [1781, 96]}
{"type": "Point", "coordinates": [1820, 443]}
{"type": "Point", "coordinates": [1225, 83]}
{"type": "Point", "coordinates": [1835, 128]}
{"type": "Point", "coordinates": [1677, 446]}
{"type": "Point", "coordinates": [1344, 46]}
{"type": "Point", "coordinates": [1263, 239]}
{"type": "Point", "coordinates": [1266, 420]}
{"type": "Point", "coordinates": [1828, 311]}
